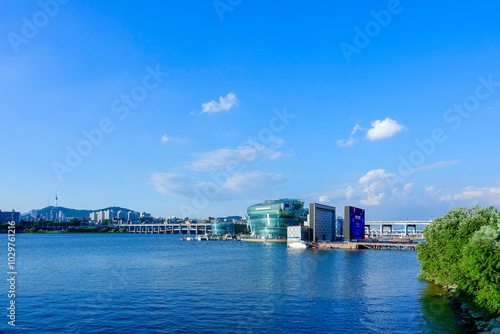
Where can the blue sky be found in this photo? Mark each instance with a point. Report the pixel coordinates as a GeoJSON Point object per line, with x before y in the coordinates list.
{"type": "Point", "coordinates": [202, 108]}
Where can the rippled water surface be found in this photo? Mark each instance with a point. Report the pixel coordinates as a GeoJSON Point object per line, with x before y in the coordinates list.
{"type": "Point", "coordinates": [158, 284]}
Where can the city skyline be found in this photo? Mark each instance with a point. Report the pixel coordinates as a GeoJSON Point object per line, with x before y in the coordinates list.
{"type": "Point", "coordinates": [390, 106]}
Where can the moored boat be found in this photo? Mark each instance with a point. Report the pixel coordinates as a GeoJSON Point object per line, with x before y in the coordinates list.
{"type": "Point", "coordinates": [298, 244]}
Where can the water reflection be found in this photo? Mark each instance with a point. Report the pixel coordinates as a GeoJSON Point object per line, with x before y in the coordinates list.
{"type": "Point", "coordinates": [153, 282]}
{"type": "Point", "coordinates": [436, 315]}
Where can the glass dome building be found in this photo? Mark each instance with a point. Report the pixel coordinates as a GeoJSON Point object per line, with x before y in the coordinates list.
{"type": "Point", "coordinates": [271, 218]}
{"type": "Point", "coordinates": [222, 228]}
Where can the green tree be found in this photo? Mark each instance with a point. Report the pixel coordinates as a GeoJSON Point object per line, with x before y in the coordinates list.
{"type": "Point", "coordinates": [480, 268]}
{"type": "Point", "coordinates": [74, 222]}
{"type": "Point", "coordinates": [462, 249]}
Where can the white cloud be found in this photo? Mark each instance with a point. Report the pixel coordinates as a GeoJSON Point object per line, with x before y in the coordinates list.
{"type": "Point", "coordinates": [446, 198]}
{"type": "Point", "coordinates": [252, 182]}
{"type": "Point", "coordinates": [346, 142]}
{"type": "Point", "coordinates": [377, 186]}
{"type": "Point", "coordinates": [375, 183]}
{"type": "Point", "coordinates": [432, 190]}
{"type": "Point", "coordinates": [324, 199]}
{"type": "Point", "coordinates": [241, 184]}
{"type": "Point", "coordinates": [170, 183]}
{"type": "Point", "coordinates": [473, 195]}
{"type": "Point", "coordinates": [372, 199]}
{"type": "Point", "coordinates": [277, 141]}
{"type": "Point", "coordinates": [408, 186]}
{"type": "Point", "coordinates": [166, 139]}
{"type": "Point", "coordinates": [374, 188]}
{"type": "Point", "coordinates": [376, 174]}
{"type": "Point", "coordinates": [241, 156]}
{"type": "Point", "coordinates": [384, 129]}
{"type": "Point", "coordinates": [225, 103]}
{"type": "Point", "coordinates": [440, 164]}
{"type": "Point", "coordinates": [349, 192]}
{"type": "Point", "coordinates": [351, 140]}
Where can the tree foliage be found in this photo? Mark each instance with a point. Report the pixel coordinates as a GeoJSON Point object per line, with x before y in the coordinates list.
{"type": "Point", "coordinates": [462, 249]}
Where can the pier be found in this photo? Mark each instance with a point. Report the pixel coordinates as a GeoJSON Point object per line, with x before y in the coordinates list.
{"type": "Point", "coordinates": [388, 246]}
{"type": "Point", "coordinates": [373, 245]}
{"type": "Point", "coordinates": [167, 228]}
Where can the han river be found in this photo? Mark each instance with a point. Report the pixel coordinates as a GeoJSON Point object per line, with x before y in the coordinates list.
{"type": "Point", "coordinates": [126, 283]}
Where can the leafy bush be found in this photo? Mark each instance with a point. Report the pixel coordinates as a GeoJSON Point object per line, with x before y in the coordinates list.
{"type": "Point", "coordinates": [480, 268]}
{"type": "Point", "coordinates": [462, 249]}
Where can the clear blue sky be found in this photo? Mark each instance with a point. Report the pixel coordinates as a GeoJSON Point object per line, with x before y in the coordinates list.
{"type": "Point", "coordinates": [206, 139]}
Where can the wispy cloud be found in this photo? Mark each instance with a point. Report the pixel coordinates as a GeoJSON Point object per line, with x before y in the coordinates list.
{"type": "Point", "coordinates": [351, 140]}
{"type": "Point", "coordinates": [440, 164]}
{"type": "Point", "coordinates": [382, 129]}
{"type": "Point", "coordinates": [408, 186]}
{"type": "Point", "coordinates": [166, 139]}
{"type": "Point", "coordinates": [252, 182]}
{"type": "Point", "coordinates": [240, 184]}
{"type": "Point", "coordinates": [473, 195]}
{"type": "Point", "coordinates": [242, 156]}
{"type": "Point", "coordinates": [432, 190]}
{"type": "Point", "coordinates": [224, 104]}
{"type": "Point", "coordinates": [170, 183]}
{"type": "Point", "coordinates": [324, 199]}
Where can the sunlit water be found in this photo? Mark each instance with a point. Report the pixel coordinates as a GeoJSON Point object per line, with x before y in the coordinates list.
{"type": "Point", "coordinates": [158, 284]}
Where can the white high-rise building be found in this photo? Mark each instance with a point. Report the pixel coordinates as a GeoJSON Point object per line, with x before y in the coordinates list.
{"type": "Point", "coordinates": [133, 215]}
{"type": "Point", "coordinates": [121, 214]}
{"type": "Point", "coordinates": [109, 214]}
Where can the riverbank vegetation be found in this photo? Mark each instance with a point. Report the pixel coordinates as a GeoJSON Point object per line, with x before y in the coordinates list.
{"type": "Point", "coordinates": [462, 250]}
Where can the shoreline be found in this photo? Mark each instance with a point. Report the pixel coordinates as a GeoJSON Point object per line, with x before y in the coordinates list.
{"type": "Point", "coordinates": [470, 318]}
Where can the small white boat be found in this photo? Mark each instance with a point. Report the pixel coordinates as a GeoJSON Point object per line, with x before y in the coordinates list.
{"type": "Point", "coordinates": [202, 238]}
{"type": "Point", "coordinates": [298, 244]}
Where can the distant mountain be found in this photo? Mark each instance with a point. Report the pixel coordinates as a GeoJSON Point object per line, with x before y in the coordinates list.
{"type": "Point", "coordinates": [74, 213]}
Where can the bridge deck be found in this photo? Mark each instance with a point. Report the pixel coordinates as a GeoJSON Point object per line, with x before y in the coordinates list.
{"type": "Point", "coordinates": [387, 246]}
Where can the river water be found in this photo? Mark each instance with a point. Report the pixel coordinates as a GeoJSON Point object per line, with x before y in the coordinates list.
{"type": "Point", "coordinates": [125, 283]}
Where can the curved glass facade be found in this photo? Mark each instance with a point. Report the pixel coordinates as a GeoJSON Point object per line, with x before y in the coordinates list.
{"type": "Point", "coordinates": [271, 218]}
{"type": "Point", "coordinates": [222, 228]}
